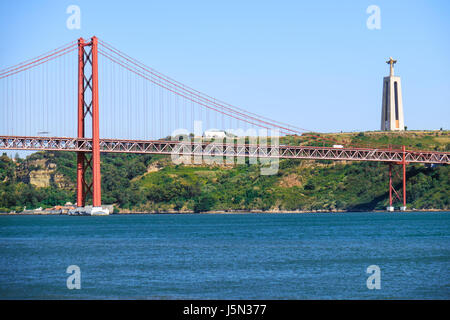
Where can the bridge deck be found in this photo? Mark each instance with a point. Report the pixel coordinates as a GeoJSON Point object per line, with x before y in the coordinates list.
{"type": "Point", "coordinates": [222, 149]}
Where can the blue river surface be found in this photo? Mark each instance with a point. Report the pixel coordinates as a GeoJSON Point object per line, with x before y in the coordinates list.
{"type": "Point", "coordinates": [227, 256]}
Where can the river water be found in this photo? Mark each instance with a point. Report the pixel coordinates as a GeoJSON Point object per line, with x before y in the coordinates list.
{"type": "Point", "coordinates": [227, 256]}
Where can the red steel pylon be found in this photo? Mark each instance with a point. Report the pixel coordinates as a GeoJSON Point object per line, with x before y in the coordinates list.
{"type": "Point", "coordinates": [392, 190]}
{"type": "Point", "coordinates": [88, 81]}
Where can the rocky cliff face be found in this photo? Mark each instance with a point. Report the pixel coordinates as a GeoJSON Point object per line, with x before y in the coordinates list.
{"type": "Point", "coordinates": [42, 173]}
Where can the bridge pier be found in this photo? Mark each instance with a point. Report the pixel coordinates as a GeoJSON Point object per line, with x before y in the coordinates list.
{"type": "Point", "coordinates": [392, 190]}
{"type": "Point", "coordinates": [88, 81]}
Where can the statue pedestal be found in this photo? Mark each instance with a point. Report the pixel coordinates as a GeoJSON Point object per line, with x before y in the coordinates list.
{"type": "Point", "coordinates": [392, 104]}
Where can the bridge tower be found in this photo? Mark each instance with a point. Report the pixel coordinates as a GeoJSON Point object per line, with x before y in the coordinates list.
{"type": "Point", "coordinates": [88, 104]}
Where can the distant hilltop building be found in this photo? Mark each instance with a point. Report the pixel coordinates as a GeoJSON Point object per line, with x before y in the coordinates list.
{"type": "Point", "coordinates": [392, 105]}
{"type": "Point", "coordinates": [213, 133]}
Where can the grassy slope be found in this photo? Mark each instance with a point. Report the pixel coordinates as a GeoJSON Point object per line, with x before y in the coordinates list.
{"type": "Point", "coordinates": [425, 140]}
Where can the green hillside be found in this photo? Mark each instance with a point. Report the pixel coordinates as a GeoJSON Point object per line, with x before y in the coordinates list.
{"type": "Point", "coordinates": [150, 183]}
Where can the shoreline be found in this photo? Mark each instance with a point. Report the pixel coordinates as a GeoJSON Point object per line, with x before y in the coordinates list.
{"type": "Point", "coordinates": [230, 212]}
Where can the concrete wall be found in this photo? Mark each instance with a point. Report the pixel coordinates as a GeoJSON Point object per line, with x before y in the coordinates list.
{"type": "Point", "coordinates": [392, 104]}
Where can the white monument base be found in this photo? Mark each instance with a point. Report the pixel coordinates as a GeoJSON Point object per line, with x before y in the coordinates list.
{"type": "Point", "coordinates": [402, 208]}
{"type": "Point", "coordinates": [390, 209]}
{"type": "Point", "coordinates": [392, 118]}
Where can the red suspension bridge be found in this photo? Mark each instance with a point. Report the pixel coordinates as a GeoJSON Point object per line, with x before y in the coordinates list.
{"type": "Point", "coordinates": [140, 109]}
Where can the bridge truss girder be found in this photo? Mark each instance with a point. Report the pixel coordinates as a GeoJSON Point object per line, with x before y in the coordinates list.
{"type": "Point", "coordinates": [223, 149]}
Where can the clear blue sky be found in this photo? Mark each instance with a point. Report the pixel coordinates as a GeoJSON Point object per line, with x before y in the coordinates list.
{"type": "Point", "coordinates": [314, 64]}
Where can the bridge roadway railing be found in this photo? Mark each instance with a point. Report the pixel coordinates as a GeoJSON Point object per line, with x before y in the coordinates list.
{"type": "Point", "coordinates": [223, 149]}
